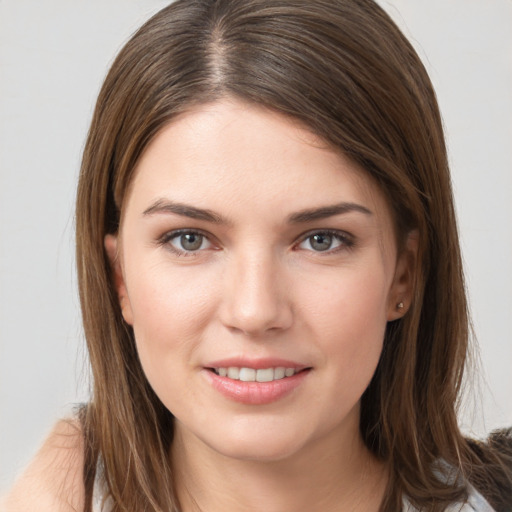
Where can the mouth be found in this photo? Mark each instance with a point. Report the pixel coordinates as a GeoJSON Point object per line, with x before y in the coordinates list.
{"type": "Point", "coordinates": [256, 386]}
{"type": "Point", "coordinates": [245, 374]}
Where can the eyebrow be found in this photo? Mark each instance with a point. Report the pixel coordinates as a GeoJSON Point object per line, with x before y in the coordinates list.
{"type": "Point", "coordinates": [165, 206]}
{"type": "Point", "coordinates": [327, 211]}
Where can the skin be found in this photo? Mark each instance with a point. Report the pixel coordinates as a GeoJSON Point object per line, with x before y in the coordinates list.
{"type": "Point", "coordinates": [257, 287]}
{"type": "Point", "coordinates": [53, 480]}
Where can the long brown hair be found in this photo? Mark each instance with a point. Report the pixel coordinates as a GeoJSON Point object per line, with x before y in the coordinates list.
{"type": "Point", "coordinates": [343, 69]}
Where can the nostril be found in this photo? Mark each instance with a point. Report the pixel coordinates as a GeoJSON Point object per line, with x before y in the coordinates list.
{"type": "Point", "coordinates": [254, 300]}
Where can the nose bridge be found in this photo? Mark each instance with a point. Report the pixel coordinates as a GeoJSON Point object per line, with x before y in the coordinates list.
{"type": "Point", "coordinates": [255, 299]}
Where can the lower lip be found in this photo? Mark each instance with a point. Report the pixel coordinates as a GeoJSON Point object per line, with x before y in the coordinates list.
{"type": "Point", "coordinates": [255, 393]}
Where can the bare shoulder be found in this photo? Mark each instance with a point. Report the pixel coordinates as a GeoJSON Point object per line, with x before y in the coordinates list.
{"type": "Point", "coordinates": [53, 480]}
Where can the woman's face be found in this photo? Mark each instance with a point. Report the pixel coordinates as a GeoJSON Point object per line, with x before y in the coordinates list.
{"type": "Point", "coordinates": [258, 269]}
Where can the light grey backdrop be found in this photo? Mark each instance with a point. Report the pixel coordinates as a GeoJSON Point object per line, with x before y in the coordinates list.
{"type": "Point", "coordinates": [53, 56]}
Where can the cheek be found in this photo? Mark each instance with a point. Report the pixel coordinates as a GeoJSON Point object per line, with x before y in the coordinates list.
{"type": "Point", "coordinates": [348, 316]}
{"type": "Point", "coordinates": [350, 300]}
{"type": "Point", "coordinates": [170, 309]}
{"type": "Point", "coordinates": [163, 298]}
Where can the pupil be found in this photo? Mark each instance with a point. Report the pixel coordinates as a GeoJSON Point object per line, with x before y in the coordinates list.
{"type": "Point", "coordinates": [191, 241]}
{"type": "Point", "coordinates": [321, 242]}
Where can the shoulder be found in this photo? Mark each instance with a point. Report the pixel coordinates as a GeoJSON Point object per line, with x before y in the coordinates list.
{"type": "Point", "coordinates": [478, 503]}
{"type": "Point", "coordinates": [53, 480]}
{"type": "Point", "coordinates": [475, 503]}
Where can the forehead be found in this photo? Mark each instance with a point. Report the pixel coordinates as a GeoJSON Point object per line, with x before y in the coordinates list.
{"type": "Point", "coordinates": [230, 153]}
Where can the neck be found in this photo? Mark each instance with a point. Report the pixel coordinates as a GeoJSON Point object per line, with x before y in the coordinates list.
{"type": "Point", "coordinates": [326, 476]}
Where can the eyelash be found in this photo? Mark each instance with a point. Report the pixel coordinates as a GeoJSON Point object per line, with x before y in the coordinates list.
{"type": "Point", "coordinates": [346, 241]}
{"type": "Point", "coordinates": [168, 237]}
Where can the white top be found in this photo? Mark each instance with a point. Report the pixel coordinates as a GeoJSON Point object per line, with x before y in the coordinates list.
{"type": "Point", "coordinates": [475, 503]}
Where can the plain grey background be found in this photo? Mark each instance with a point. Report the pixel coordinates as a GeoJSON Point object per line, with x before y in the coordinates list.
{"type": "Point", "coordinates": [53, 57]}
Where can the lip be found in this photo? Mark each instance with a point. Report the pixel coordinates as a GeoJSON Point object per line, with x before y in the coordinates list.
{"type": "Point", "coordinates": [257, 364]}
{"type": "Point", "coordinates": [255, 393]}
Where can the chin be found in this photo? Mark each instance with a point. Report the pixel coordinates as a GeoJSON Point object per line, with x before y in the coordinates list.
{"type": "Point", "coordinates": [259, 450]}
{"type": "Point", "coordinates": [263, 443]}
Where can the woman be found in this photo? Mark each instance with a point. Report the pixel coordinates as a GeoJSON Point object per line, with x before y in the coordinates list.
{"type": "Point", "coordinates": [270, 277]}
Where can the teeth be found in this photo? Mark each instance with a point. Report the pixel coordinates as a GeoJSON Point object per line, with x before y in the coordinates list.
{"type": "Point", "coordinates": [279, 373]}
{"type": "Point", "coordinates": [252, 375]}
{"type": "Point", "coordinates": [266, 375]}
{"type": "Point", "coordinates": [247, 374]}
{"type": "Point", "coordinates": [233, 373]}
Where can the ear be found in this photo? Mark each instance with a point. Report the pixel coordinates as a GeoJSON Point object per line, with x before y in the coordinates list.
{"type": "Point", "coordinates": [111, 249]}
{"type": "Point", "coordinates": [402, 288]}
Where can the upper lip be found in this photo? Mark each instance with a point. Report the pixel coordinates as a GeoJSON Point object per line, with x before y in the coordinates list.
{"type": "Point", "coordinates": [257, 364]}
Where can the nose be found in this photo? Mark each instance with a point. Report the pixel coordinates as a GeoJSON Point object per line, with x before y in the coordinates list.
{"type": "Point", "coordinates": [256, 300]}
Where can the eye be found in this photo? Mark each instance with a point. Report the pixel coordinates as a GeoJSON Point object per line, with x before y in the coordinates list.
{"type": "Point", "coordinates": [323, 241]}
{"type": "Point", "coordinates": [186, 241]}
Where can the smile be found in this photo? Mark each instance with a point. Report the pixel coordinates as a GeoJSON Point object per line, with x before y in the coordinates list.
{"type": "Point", "coordinates": [255, 386]}
{"type": "Point", "coordinates": [252, 375]}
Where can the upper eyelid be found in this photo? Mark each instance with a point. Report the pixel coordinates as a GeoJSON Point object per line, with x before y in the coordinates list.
{"type": "Point", "coordinates": [165, 241]}
{"type": "Point", "coordinates": [173, 233]}
{"type": "Point", "coordinates": [169, 235]}
{"type": "Point", "coordinates": [335, 232]}
{"type": "Point", "coordinates": [347, 240]}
